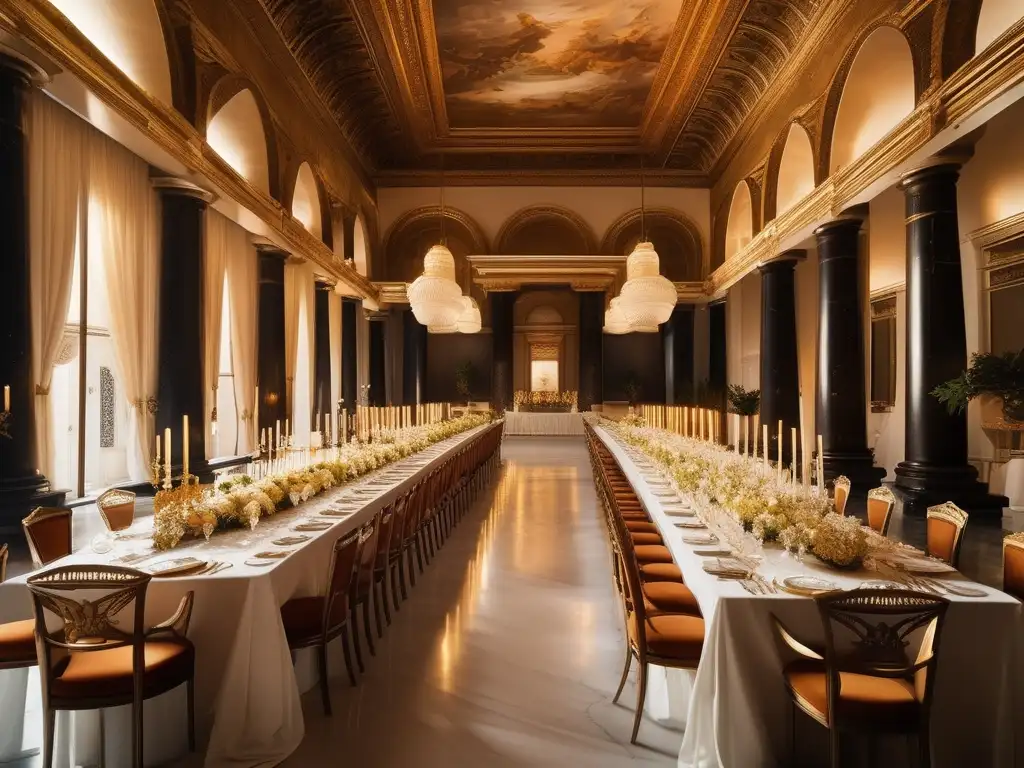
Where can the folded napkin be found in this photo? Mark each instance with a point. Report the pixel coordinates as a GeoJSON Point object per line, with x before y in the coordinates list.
{"type": "Point", "coordinates": [728, 567]}
{"type": "Point", "coordinates": [696, 525]}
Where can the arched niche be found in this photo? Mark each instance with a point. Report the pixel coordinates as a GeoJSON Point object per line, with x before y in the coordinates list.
{"type": "Point", "coordinates": [739, 229]}
{"type": "Point", "coordinates": [360, 244]}
{"type": "Point", "coordinates": [129, 33]}
{"type": "Point", "coordinates": [996, 17]}
{"type": "Point", "coordinates": [237, 133]}
{"type": "Point", "coordinates": [545, 231]}
{"type": "Point", "coordinates": [676, 239]}
{"type": "Point", "coordinates": [796, 169]}
{"type": "Point", "coordinates": [877, 94]}
{"type": "Point", "coordinates": [306, 201]}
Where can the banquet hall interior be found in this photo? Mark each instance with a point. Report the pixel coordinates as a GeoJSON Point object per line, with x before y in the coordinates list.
{"type": "Point", "coordinates": [381, 378]}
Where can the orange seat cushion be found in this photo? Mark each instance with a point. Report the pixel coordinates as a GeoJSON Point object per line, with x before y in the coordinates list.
{"type": "Point", "coordinates": [640, 526]}
{"type": "Point", "coordinates": [676, 636]}
{"type": "Point", "coordinates": [646, 538]}
{"type": "Point", "coordinates": [109, 673]}
{"type": "Point", "coordinates": [652, 553]}
{"type": "Point", "coordinates": [671, 596]}
{"type": "Point", "coordinates": [884, 700]}
{"type": "Point", "coordinates": [660, 572]}
{"type": "Point", "coordinates": [17, 642]}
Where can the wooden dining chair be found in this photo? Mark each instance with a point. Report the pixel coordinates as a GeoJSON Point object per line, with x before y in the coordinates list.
{"type": "Point", "coordinates": [48, 532]}
{"type": "Point", "coordinates": [1013, 565]}
{"type": "Point", "coordinates": [95, 651]}
{"type": "Point", "coordinates": [362, 581]}
{"type": "Point", "coordinates": [117, 508]}
{"type": "Point", "coordinates": [876, 672]}
{"type": "Point", "coordinates": [391, 518]}
{"type": "Point", "coordinates": [841, 493]}
{"type": "Point", "coordinates": [946, 523]}
{"type": "Point", "coordinates": [313, 622]}
{"type": "Point", "coordinates": [881, 502]}
{"type": "Point", "coordinates": [17, 641]}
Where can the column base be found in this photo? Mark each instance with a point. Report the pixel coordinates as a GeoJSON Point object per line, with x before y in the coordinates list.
{"type": "Point", "coordinates": [920, 486]}
{"type": "Point", "coordinates": [20, 495]}
{"type": "Point", "coordinates": [859, 467]}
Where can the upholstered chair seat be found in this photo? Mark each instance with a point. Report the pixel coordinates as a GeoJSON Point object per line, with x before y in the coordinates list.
{"type": "Point", "coordinates": [17, 642]}
{"type": "Point", "coordinates": [303, 619]}
{"type": "Point", "coordinates": [670, 596]}
{"type": "Point", "coordinates": [874, 701]}
{"type": "Point", "coordinates": [652, 553]}
{"type": "Point", "coordinates": [660, 571]}
{"type": "Point", "coordinates": [168, 664]}
{"type": "Point", "coordinates": [647, 538]}
{"type": "Point", "coordinates": [675, 636]}
{"type": "Point", "coordinates": [640, 526]}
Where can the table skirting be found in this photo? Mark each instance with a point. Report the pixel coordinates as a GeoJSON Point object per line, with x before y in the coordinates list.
{"type": "Point", "coordinates": [248, 709]}
{"type": "Point", "coordinates": [735, 709]}
{"type": "Point", "coordinates": [525, 423]}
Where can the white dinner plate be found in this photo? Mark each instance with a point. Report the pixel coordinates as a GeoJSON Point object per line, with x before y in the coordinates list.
{"type": "Point", "coordinates": [176, 567]}
{"type": "Point", "coordinates": [923, 565]}
{"type": "Point", "coordinates": [807, 586]}
{"type": "Point", "coordinates": [255, 561]}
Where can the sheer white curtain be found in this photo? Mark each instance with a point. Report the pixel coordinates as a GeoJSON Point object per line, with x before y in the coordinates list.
{"type": "Point", "coordinates": [242, 273]}
{"type": "Point", "coordinates": [126, 207]}
{"type": "Point", "coordinates": [57, 172]}
{"type": "Point", "coordinates": [334, 307]}
{"type": "Point", "coordinates": [217, 243]}
{"type": "Point", "coordinates": [299, 307]}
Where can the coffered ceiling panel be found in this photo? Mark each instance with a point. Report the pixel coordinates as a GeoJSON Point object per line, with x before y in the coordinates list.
{"type": "Point", "coordinates": [523, 87]}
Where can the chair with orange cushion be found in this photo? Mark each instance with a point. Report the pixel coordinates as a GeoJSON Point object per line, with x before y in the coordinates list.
{"type": "Point", "coordinates": [946, 523]}
{"type": "Point", "coordinates": [117, 508]}
{"type": "Point", "coordinates": [17, 641]}
{"type": "Point", "coordinates": [876, 673]}
{"type": "Point", "coordinates": [313, 622]}
{"type": "Point", "coordinates": [1013, 565]}
{"type": "Point", "coordinates": [95, 651]}
{"type": "Point", "coordinates": [48, 532]}
{"type": "Point", "coordinates": [881, 502]}
{"type": "Point", "coordinates": [841, 493]}
{"type": "Point", "coordinates": [663, 638]}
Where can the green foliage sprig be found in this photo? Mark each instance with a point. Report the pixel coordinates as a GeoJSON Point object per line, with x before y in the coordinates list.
{"type": "Point", "coordinates": [745, 402]}
{"type": "Point", "coordinates": [988, 374]}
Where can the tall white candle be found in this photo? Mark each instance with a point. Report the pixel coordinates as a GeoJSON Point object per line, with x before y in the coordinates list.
{"type": "Point", "coordinates": [184, 445]}
{"type": "Point", "coordinates": [779, 438]}
{"type": "Point", "coordinates": [764, 444]}
{"type": "Point", "coordinates": [158, 449]}
{"type": "Point", "coordinates": [795, 454]}
{"type": "Point", "coordinates": [7, 398]}
{"type": "Point", "coordinates": [167, 452]}
{"type": "Point", "coordinates": [821, 465]}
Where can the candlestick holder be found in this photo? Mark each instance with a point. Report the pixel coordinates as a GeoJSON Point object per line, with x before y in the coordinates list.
{"type": "Point", "coordinates": [5, 424]}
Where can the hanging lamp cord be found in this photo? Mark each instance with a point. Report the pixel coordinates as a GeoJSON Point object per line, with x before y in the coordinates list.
{"type": "Point", "coordinates": [643, 203]}
{"type": "Point", "coordinates": [442, 200]}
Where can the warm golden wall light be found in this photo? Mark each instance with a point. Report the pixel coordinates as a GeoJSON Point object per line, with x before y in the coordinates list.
{"type": "Point", "coordinates": [236, 134]}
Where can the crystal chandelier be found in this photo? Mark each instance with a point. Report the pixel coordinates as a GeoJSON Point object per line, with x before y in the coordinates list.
{"type": "Point", "coordinates": [469, 320]}
{"type": "Point", "coordinates": [434, 296]}
{"type": "Point", "coordinates": [647, 298]}
{"type": "Point", "coordinates": [614, 321]}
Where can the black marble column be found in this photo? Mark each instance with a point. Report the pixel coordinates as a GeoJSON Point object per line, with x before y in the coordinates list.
{"type": "Point", "coordinates": [349, 355]}
{"type": "Point", "coordinates": [841, 403]}
{"type": "Point", "coordinates": [414, 362]}
{"type": "Point", "coordinates": [677, 336]}
{"type": "Point", "coordinates": [378, 358]}
{"type": "Point", "coordinates": [22, 486]}
{"type": "Point", "coordinates": [322, 353]}
{"type": "Point", "coordinates": [591, 373]}
{"type": "Point", "coordinates": [502, 322]}
{"type": "Point", "coordinates": [935, 467]}
{"type": "Point", "coordinates": [717, 360]}
{"type": "Point", "coordinates": [270, 356]}
{"type": "Point", "coordinates": [181, 382]}
{"type": "Point", "coordinates": [780, 380]}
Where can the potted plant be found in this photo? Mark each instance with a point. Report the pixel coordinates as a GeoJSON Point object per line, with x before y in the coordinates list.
{"type": "Point", "coordinates": [1000, 376]}
{"type": "Point", "coordinates": [464, 380]}
{"type": "Point", "coordinates": [745, 402]}
{"type": "Point", "coordinates": [632, 390]}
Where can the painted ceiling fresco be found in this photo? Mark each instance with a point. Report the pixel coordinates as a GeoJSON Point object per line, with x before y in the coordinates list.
{"type": "Point", "coordinates": [550, 63]}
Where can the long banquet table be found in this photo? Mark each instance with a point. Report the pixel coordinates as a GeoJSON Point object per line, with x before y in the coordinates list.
{"type": "Point", "coordinates": [247, 689]}
{"type": "Point", "coordinates": [550, 424]}
{"type": "Point", "coordinates": [735, 708]}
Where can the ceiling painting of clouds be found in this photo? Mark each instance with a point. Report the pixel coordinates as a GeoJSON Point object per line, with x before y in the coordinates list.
{"type": "Point", "coordinates": [550, 63]}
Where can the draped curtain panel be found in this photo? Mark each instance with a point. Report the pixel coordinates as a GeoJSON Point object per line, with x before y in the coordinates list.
{"type": "Point", "coordinates": [125, 209]}
{"type": "Point", "coordinates": [57, 176]}
{"type": "Point", "coordinates": [292, 297]}
{"type": "Point", "coordinates": [218, 236]}
{"type": "Point", "coordinates": [299, 315]}
{"type": "Point", "coordinates": [242, 274]}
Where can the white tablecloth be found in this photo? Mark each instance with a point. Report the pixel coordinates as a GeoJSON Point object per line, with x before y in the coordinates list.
{"type": "Point", "coordinates": [247, 689]}
{"type": "Point", "coordinates": [524, 423]}
{"type": "Point", "coordinates": [736, 710]}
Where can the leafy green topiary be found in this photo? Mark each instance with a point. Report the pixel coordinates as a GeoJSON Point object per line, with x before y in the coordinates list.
{"type": "Point", "coordinates": [743, 401]}
{"type": "Point", "coordinates": [998, 375]}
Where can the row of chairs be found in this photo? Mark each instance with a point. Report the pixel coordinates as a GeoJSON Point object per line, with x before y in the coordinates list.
{"type": "Point", "coordinates": [945, 522]}
{"type": "Point", "coordinates": [387, 550]}
{"type": "Point", "coordinates": [664, 625]}
{"type": "Point", "coordinates": [88, 634]}
{"type": "Point", "coordinates": [884, 686]}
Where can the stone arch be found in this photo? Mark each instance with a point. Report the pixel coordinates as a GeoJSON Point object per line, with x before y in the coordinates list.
{"type": "Point", "coordinates": [360, 246]}
{"type": "Point", "coordinates": [543, 230]}
{"type": "Point", "coordinates": [240, 129]}
{"type": "Point", "coordinates": [739, 227]}
{"type": "Point", "coordinates": [995, 18]}
{"type": "Point", "coordinates": [413, 233]}
{"type": "Point", "coordinates": [790, 172]}
{"type": "Point", "coordinates": [307, 200]}
{"type": "Point", "coordinates": [675, 237]}
{"type": "Point", "coordinates": [875, 87]}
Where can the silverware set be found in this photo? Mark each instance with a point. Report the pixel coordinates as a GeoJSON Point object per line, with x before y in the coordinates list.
{"type": "Point", "coordinates": [214, 566]}
{"type": "Point", "coordinates": [932, 586]}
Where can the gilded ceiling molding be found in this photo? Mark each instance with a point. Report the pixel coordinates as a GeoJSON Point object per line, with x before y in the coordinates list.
{"type": "Point", "coordinates": [956, 30]}
{"type": "Point", "coordinates": [532, 214]}
{"type": "Point", "coordinates": [427, 213]}
{"type": "Point", "coordinates": [583, 176]}
{"type": "Point", "coordinates": [39, 23]}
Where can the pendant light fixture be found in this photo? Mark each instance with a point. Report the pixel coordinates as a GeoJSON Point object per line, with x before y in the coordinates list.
{"type": "Point", "coordinates": [647, 298]}
{"type": "Point", "coordinates": [614, 321]}
{"type": "Point", "coordinates": [435, 296]}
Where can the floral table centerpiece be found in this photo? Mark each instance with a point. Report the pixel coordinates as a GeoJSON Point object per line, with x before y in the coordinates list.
{"type": "Point", "coordinates": [242, 501]}
{"type": "Point", "coordinates": [545, 402]}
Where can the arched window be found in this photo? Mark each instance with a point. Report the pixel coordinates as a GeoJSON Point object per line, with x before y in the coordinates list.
{"type": "Point", "coordinates": [236, 133]}
{"type": "Point", "coordinates": [740, 228]}
{"type": "Point", "coordinates": [796, 170]}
